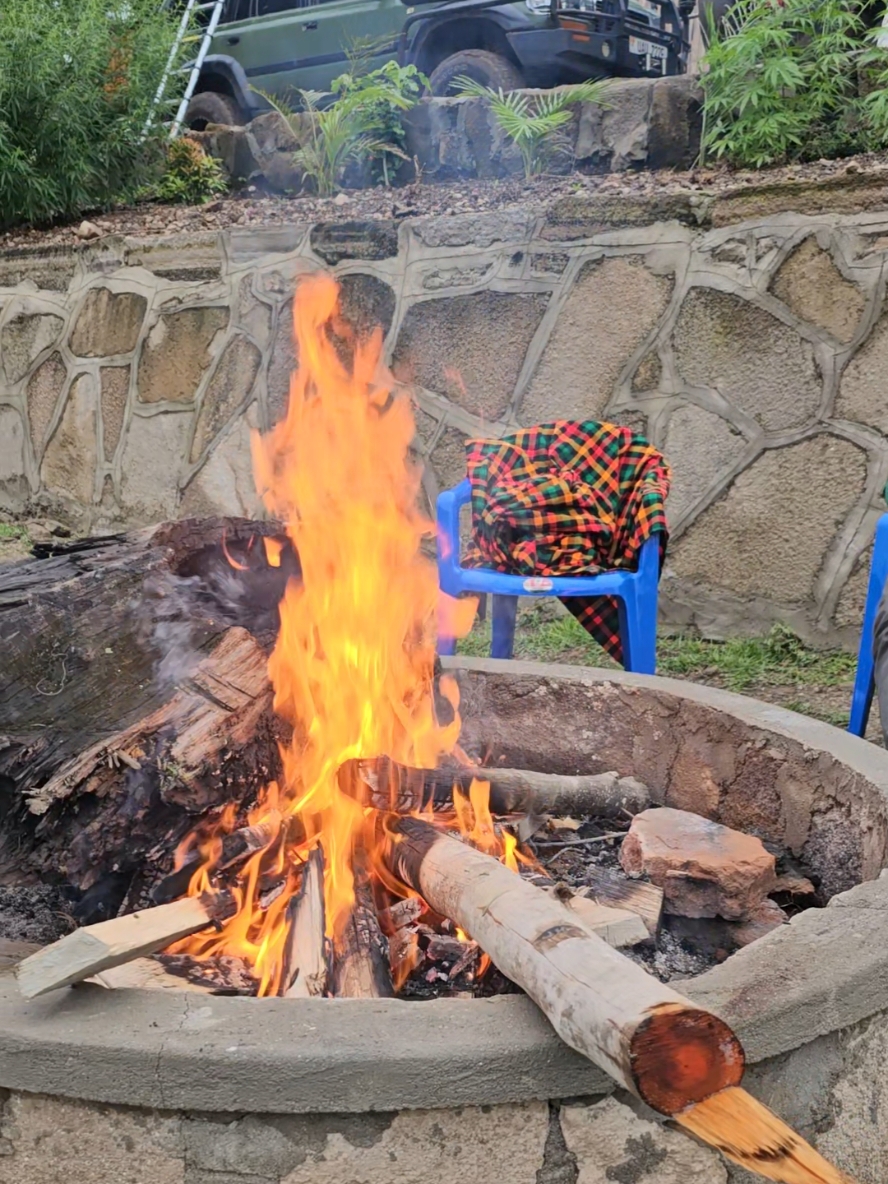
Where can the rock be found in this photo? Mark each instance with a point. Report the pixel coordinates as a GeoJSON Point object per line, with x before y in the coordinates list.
{"type": "Point", "coordinates": [764, 917]}
{"type": "Point", "coordinates": [88, 230]}
{"type": "Point", "coordinates": [704, 869]}
{"type": "Point", "coordinates": [341, 199]}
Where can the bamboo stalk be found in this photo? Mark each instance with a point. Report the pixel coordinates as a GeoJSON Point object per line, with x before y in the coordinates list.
{"type": "Point", "coordinates": [95, 948]}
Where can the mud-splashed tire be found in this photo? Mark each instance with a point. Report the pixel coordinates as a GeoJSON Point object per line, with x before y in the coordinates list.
{"type": "Point", "coordinates": [490, 69]}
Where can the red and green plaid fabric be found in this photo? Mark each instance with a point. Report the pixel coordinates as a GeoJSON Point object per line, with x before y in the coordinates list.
{"type": "Point", "coordinates": [567, 499]}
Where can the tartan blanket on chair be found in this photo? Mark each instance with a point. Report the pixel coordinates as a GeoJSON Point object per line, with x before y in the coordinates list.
{"type": "Point", "coordinates": [567, 499]}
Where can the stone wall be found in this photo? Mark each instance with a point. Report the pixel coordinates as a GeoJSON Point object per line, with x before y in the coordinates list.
{"type": "Point", "coordinates": [745, 334]}
{"type": "Point", "coordinates": [644, 123]}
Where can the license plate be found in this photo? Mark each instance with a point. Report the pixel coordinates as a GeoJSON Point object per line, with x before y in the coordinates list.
{"type": "Point", "coordinates": [647, 48]}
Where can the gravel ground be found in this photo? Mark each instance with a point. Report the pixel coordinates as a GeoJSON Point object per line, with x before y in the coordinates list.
{"type": "Point", "coordinates": [250, 207]}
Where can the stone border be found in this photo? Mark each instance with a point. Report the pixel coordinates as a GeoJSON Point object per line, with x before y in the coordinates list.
{"type": "Point", "coordinates": [177, 1050]}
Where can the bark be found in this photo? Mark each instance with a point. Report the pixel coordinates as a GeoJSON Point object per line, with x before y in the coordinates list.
{"type": "Point", "coordinates": [95, 948]}
{"type": "Point", "coordinates": [389, 786]}
{"type": "Point", "coordinates": [652, 1041]}
{"type": "Point", "coordinates": [360, 954]}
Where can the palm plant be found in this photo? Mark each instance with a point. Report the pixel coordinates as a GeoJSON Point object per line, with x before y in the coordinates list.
{"type": "Point", "coordinates": [535, 122]}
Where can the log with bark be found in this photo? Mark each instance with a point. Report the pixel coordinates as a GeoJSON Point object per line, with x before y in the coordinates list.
{"type": "Point", "coordinates": [390, 786]}
{"type": "Point", "coordinates": [89, 951]}
{"type": "Point", "coordinates": [360, 952]}
{"type": "Point", "coordinates": [680, 1059]}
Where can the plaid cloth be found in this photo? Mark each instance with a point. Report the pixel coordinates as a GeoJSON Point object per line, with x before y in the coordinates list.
{"type": "Point", "coordinates": [567, 499]}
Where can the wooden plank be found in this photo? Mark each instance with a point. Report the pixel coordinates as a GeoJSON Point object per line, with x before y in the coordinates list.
{"type": "Point", "coordinates": [145, 974]}
{"type": "Point", "coordinates": [95, 948]}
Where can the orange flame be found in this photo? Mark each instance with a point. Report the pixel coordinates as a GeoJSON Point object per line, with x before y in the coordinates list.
{"type": "Point", "coordinates": [273, 549]}
{"type": "Point", "coordinates": [353, 666]}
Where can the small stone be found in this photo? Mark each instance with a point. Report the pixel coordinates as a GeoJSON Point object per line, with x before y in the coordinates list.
{"type": "Point", "coordinates": [764, 917]}
{"type": "Point", "coordinates": [704, 869]}
{"type": "Point", "coordinates": [88, 230]}
{"type": "Point", "coordinates": [341, 199]}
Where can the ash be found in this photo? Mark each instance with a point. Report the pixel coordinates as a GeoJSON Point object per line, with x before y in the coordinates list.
{"type": "Point", "coordinates": [38, 913]}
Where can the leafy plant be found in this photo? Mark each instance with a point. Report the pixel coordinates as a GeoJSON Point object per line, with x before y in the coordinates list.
{"type": "Point", "coordinates": [381, 97]}
{"type": "Point", "coordinates": [535, 123]}
{"type": "Point", "coordinates": [77, 80]}
{"type": "Point", "coordinates": [358, 121]}
{"type": "Point", "coordinates": [780, 82]}
{"type": "Point", "coordinates": [190, 176]}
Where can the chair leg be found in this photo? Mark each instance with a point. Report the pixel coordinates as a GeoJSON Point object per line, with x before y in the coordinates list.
{"type": "Point", "coordinates": [504, 612]}
{"type": "Point", "coordinates": [638, 632]}
{"type": "Point", "coordinates": [864, 689]}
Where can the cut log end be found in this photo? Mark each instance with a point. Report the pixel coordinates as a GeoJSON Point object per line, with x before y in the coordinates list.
{"type": "Point", "coordinates": [745, 1131]}
{"type": "Point", "coordinates": [682, 1055]}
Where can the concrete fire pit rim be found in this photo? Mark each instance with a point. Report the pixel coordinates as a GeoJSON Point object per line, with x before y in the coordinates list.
{"type": "Point", "coordinates": [861, 755]}
{"type": "Point", "coordinates": [176, 1050]}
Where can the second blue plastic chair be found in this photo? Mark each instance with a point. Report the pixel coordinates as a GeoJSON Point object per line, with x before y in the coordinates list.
{"type": "Point", "coordinates": [864, 682]}
{"type": "Point", "coordinates": [634, 591]}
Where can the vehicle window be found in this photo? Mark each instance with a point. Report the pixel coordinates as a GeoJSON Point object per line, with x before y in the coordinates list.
{"type": "Point", "coordinates": [244, 10]}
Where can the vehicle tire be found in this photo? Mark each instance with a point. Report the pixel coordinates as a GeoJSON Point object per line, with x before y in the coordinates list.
{"type": "Point", "coordinates": [490, 69]}
{"type": "Point", "coordinates": [208, 106]}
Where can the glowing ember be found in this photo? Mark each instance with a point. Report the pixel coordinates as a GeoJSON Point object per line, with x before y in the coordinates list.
{"type": "Point", "coordinates": [353, 665]}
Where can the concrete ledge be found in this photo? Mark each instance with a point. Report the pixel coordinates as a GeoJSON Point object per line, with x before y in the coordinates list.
{"type": "Point", "coordinates": [173, 1050]}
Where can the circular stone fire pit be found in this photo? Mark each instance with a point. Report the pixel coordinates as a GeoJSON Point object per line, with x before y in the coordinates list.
{"type": "Point", "coordinates": [167, 1086]}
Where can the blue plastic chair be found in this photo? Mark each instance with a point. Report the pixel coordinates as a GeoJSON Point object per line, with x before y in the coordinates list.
{"type": "Point", "coordinates": [634, 591]}
{"type": "Point", "coordinates": [864, 681]}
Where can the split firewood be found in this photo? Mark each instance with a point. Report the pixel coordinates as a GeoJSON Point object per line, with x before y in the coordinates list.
{"type": "Point", "coordinates": [235, 848]}
{"type": "Point", "coordinates": [620, 928]}
{"type": "Point", "coordinates": [305, 956]}
{"type": "Point", "coordinates": [390, 786]}
{"type": "Point", "coordinates": [360, 954]}
{"type": "Point", "coordinates": [607, 887]}
{"type": "Point", "coordinates": [680, 1059]}
{"type": "Point", "coordinates": [401, 913]}
{"type": "Point", "coordinates": [145, 974]}
{"type": "Point", "coordinates": [89, 951]}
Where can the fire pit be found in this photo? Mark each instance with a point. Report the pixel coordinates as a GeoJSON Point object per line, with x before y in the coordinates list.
{"type": "Point", "coordinates": [285, 839]}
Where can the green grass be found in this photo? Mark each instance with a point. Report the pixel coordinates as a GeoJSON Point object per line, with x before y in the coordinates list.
{"type": "Point", "coordinates": [741, 664]}
{"type": "Point", "coordinates": [8, 530]}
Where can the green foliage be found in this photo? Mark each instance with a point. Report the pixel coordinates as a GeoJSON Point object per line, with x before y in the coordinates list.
{"type": "Point", "coordinates": [781, 82]}
{"type": "Point", "coordinates": [357, 123]}
{"type": "Point", "coordinates": [77, 78]}
{"type": "Point", "coordinates": [535, 123]}
{"type": "Point", "coordinates": [190, 175]}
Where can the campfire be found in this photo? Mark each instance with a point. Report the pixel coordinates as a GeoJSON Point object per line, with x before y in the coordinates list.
{"type": "Point", "coordinates": [371, 848]}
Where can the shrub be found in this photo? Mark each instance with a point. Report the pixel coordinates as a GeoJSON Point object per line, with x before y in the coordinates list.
{"type": "Point", "coordinates": [357, 122]}
{"type": "Point", "coordinates": [77, 78]}
{"type": "Point", "coordinates": [190, 175]}
{"type": "Point", "coordinates": [781, 82]}
{"type": "Point", "coordinates": [535, 123]}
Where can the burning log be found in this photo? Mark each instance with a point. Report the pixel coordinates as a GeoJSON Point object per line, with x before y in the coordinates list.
{"type": "Point", "coordinates": [360, 956]}
{"type": "Point", "coordinates": [680, 1059]}
{"type": "Point", "coordinates": [390, 786]}
{"type": "Point", "coordinates": [305, 957]}
{"type": "Point", "coordinates": [89, 951]}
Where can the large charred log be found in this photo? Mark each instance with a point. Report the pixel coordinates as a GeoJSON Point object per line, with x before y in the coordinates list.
{"type": "Point", "coordinates": [127, 709]}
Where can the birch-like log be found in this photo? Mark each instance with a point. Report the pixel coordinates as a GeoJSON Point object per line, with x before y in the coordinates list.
{"type": "Point", "coordinates": [390, 786]}
{"type": "Point", "coordinates": [89, 951]}
{"type": "Point", "coordinates": [665, 1049]}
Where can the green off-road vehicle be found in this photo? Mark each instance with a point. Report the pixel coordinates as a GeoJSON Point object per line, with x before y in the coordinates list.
{"type": "Point", "coordinates": [277, 47]}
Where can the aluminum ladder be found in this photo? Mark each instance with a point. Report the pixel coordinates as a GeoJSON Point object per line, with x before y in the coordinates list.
{"type": "Point", "coordinates": [192, 68]}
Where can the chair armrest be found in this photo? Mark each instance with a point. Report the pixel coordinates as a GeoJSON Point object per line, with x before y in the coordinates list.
{"type": "Point", "coordinates": [448, 508]}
